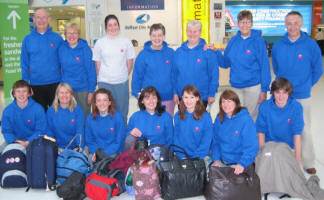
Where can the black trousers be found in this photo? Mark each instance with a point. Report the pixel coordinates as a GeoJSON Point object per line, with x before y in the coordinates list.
{"type": "Point", "coordinates": [44, 94]}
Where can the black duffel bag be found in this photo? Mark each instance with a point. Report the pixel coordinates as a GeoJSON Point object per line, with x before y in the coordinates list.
{"type": "Point", "coordinates": [73, 187]}
{"type": "Point", "coordinates": [181, 178]}
{"type": "Point", "coordinates": [225, 185]}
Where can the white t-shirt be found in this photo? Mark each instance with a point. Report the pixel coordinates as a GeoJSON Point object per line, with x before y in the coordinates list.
{"type": "Point", "coordinates": [113, 55]}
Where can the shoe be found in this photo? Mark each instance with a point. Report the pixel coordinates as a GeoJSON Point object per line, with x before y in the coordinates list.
{"type": "Point", "coordinates": [311, 170]}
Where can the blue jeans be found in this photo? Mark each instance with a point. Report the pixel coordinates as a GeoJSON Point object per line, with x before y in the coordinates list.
{"type": "Point", "coordinates": [120, 93]}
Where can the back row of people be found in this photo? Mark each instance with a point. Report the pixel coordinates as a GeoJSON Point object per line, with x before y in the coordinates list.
{"type": "Point", "coordinates": [159, 66]}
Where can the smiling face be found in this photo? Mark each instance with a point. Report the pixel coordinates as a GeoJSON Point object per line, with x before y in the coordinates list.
{"type": "Point", "coordinates": [21, 95]}
{"type": "Point", "coordinates": [102, 103]}
{"type": "Point", "coordinates": [41, 20]}
{"type": "Point", "coordinates": [228, 106]}
{"type": "Point", "coordinates": [293, 24]}
{"type": "Point", "coordinates": [193, 34]}
{"type": "Point", "coordinates": [112, 27]}
{"type": "Point", "coordinates": [150, 102]}
{"type": "Point", "coordinates": [281, 97]}
{"type": "Point", "coordinates": [64, 97]}
{"type": "Point", "coordinates": [245, 26]}
{"type": "Point", "coordinates": [72, 36]}
{"type": "Point", "coordinates": [190, 101]}
{"type": "Point", "coordinates": [157, 38]}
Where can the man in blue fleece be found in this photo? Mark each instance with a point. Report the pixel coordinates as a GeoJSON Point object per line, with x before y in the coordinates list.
{"type": "Point", "coordinates": [280, 118]}
{"type": "Point", "coordinates": [23, 119]}
{"type": "Point", "coordinates": [194, 66]}
{"type": "Point", "coordinates": [297, 58]}
{"type": "Point", "coordinates": [39, 59]}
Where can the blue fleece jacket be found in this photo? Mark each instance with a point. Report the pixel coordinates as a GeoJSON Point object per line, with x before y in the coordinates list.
{"type": "Point", "coordinates": [235, 139]}
{"type": "Point", "coordinates": [39, 58]}
{"type": "Point", "coordinates": [63, 125]}
{"type": "Point", "coordinates": [280, 124]}
{"type": "Point", "coordinates": [300, 62]}
{"type": "Point", "coordinates": [78, 69]}
{"type": "Point", "coordinates": [23, 124]}
{"type": "Point", "coordinates": [156, 129]}
{"type": "Point", "coordinates": [194, 136]}
{"type": "Point", "coordinates": [105, 132]}
{"type": "Point", "coordinates": [195, 67]}
{"type": "Point", "coordinates": [248, 60]}
{"type": "Point", "coordinates": [153, 68]}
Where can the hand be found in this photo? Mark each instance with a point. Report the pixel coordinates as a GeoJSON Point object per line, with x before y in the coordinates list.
{"type": "Point", "coordinates": [176, 99]}
{"type": "Point", "coordinates": [90, 96]}
{"type": "Point", "coordinates": [209, 46]}
{"type": "Point", "coordinates": [210, 100]}
{"type": "Point", "coordinates": [238, 169]}
{"type": "Point", "coordinates": [136, 132]}
{"type": "Point", "coordinates": [262, 97]}
{"type": "Point", "coordinates": [23, 143]}
{"type": "Point", "coordinates": [217, 163]}
{"type": "Point", "coordinates": [94, 157]}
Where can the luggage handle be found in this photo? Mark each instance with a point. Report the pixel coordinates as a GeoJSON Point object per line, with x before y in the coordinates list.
{"type": "Point", "coordinates": [182, 151]}
{"type": "Point", "coordinates": [244, 174]}
{"type": "Point", "coordinates": [72, 140]}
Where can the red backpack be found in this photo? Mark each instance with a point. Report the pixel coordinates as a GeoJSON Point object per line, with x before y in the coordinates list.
{"type": "Point", "coordinates": [99, 188]}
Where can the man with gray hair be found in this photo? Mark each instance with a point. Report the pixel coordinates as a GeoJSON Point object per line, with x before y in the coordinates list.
{"type": "Point", "coordinates": [39, 59]}
{"type": "Point", "coordinates": [297, 58]}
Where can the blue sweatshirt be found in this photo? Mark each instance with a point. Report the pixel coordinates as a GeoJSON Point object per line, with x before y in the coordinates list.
{"type": "Point", "coordinates": [23, 124]}
{"type": "Point", "coordinates": [39, 58]}
{"type": "Point", "coordinates": [105, 132]}
{"type": "Point", "coordinates": [195, 67]}
{"type": "Point", "coordinates": [156, 129]}
{"type": "Point", "coordinates": [63, 125]}
{"type": "Point", "coordinates": [280, 124]}
{"type": "Point", "coordinates": [300, 62]}
{"type": "Point", "coordinates": [194, 136]}
{"type": "Point", "coordinates": [153, 68]}
{"type": "Point", "coordinates": [248, 60]}
{"type": "Point", "coordinates": [78, 69]}
{"type": "Point", "coordinates": [235, 139]}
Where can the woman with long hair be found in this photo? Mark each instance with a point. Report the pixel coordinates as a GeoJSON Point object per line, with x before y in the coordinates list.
{"type": "Point", "coordinates": [193, 126]}
{"type": "Point", "coordinates": [105, 127]}
{"type": "Point", "coordinates": [65, 118]}
{"type": "Point", "coordinates": [235, 141]}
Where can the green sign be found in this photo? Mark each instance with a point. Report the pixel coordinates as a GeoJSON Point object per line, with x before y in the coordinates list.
{"type": "Point", "coordinates": [13, 28]}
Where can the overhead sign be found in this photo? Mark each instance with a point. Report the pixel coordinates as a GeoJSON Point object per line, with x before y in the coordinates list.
{"type": "Point", "coordinates": [13, 28]}
{"type": "Point", "coordinates": [142, 4]}
{"type": "Point", "coordinates": [268, 18]}
{"type": "Point", "coordinates": [198, 10]}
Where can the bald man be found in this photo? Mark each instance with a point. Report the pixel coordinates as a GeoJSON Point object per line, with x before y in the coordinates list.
{"type": "Point", "coordinates": [39, 59]}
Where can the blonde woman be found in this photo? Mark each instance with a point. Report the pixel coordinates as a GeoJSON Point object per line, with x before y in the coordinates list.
{"type": "Point", "coordinates": [65, 118]}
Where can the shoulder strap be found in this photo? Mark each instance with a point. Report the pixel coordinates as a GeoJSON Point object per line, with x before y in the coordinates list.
{"type": "Point", "coordinates": [73, 141]}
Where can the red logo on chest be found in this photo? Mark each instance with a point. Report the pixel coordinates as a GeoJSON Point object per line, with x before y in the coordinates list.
{"type": "Point", "coordinates": [158, 128]}
{"type": "Point", "coordinates": [198, 60]}
{"type": "Point", "coordinates": [300, 56]}
{"type": "Point", "coordinates": [72, 121]}
{"type": "Point", "coordinates": [236, 133]}
{"type": "Point", "coordinates": [167, 62]}
{"type": "Point", "coordinates": [111, 129]}
{"type": "Point", "coordinates": [197, 129]}
{"type": "Point", "coordinates": [29, 121]}
{"type": "Point", "coordinates": [77, 59]}
{"type": "Point", "coordinates": [51, 45]}
{"type": "Point", "coordinates": [248, 51]}
{"type": "Point", "coordinates": [289, 121]}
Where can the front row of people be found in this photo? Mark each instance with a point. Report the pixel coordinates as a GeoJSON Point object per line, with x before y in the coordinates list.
{"type": "Point", "coordinates": [233, 140]}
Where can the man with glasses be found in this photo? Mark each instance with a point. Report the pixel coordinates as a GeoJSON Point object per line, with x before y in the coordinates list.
{"type": "Point", "coordinates": [39, 59]}
{"type": "Point", "coordinates": [297, 58]}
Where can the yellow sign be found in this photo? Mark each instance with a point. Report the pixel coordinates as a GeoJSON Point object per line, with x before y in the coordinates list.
{"type": "Point", "coordinates": [199, 10]}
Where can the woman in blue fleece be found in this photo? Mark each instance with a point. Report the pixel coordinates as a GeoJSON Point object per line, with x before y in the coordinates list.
{"type": "Point", "coordinates": [193, 126]}
{"type": "Point", "coordinates": [23, 120]}
{"type": "Point", "coordinates": [151, 122]}
{"type": "Point", "coordinates": [246, 56]}
{"type": "Point", "coordinates": [105, 126]}
{"type": "Point", "coordinates": [78, 69]}
{"type": "Point", "coordinates": [194, 66]}
{"type": "Point", "coordinates": [281, 118]}
{"type": "Point", "coordinates": [153, 67]}
{"type": "Point", "coordinates": [235, 141]}
{"type": "Point", "coordinates": [65, 118]}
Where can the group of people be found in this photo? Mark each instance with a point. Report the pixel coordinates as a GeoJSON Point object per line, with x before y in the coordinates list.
{"type": "Point", "coordinates": [62, 77]}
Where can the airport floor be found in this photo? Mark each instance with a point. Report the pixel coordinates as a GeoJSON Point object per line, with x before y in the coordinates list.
{"type": "Point", "coordinates": [317, 127]}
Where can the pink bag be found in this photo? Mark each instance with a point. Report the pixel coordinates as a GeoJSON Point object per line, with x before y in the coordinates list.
{"type": "Point", "coordinates": [145, 179]}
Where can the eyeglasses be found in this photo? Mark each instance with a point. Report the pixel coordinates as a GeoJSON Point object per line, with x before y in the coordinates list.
{"type": "Point", "coordinates": [245, 22]}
